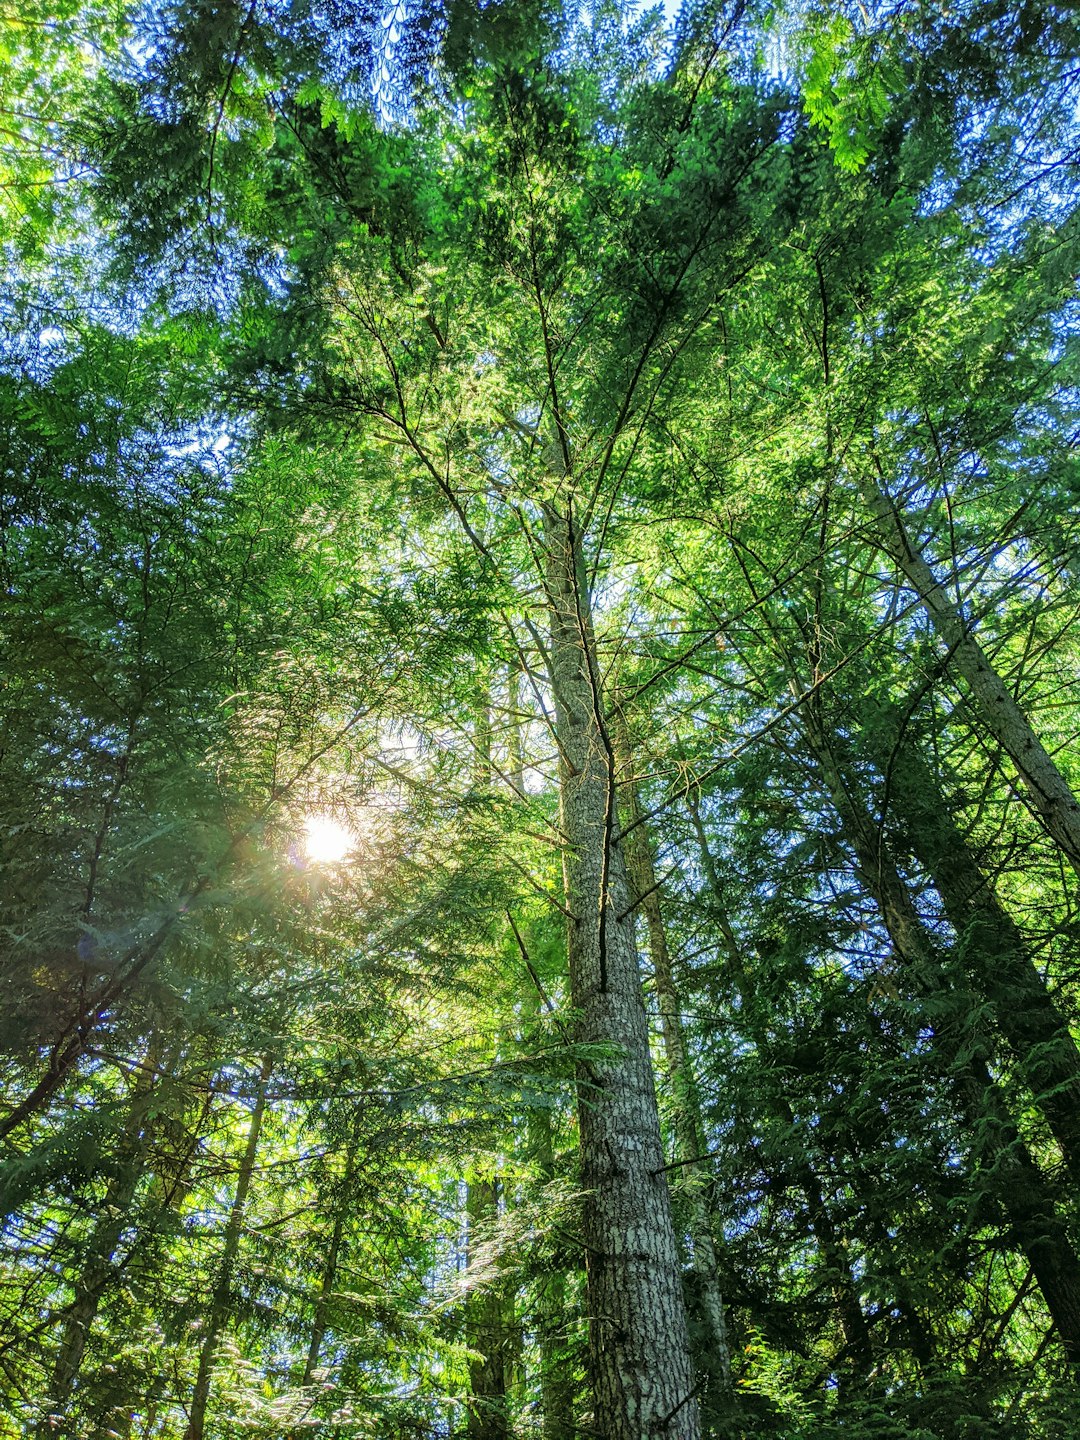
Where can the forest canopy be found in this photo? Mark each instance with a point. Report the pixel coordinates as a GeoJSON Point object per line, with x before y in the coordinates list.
{"type": "Point", "coordinates": [540, 564]}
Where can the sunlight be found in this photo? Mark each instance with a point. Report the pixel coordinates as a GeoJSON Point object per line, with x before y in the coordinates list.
{"type": "Point", "coordinates": [326, 840]}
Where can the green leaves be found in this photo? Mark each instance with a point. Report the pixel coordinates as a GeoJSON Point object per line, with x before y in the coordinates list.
{"type": "Point", "coordinates": [847, 84]}
{"type": "Point", "coordinates": [274, 500]}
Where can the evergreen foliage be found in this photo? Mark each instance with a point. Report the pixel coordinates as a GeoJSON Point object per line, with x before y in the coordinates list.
{"type": "Point", "coordinates": [538, 762]}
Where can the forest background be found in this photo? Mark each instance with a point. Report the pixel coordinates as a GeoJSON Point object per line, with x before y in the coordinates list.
{"type": "Point", "coordinates": [538, 756]}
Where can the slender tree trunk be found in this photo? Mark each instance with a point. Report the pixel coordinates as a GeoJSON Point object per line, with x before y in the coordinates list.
{"type": "Point", "coordinates": [330, 1269]}
{"type": "Point", "coordinates": [694, 1180]}
{"type": "Point", "coordinates": [326, 1289]}
{"type": "Point", "coordinates": [219, 1301]}
{"type": "Point", "coordinates": [642, 1375]}
{"type": "Point", "coordinates": [99, 1267]}
{"type": "Point", "coordinates": [853, 1323]}
{"type": "Point", "coordinates": [82, 1026]}
{"type": "Point", "coordinates": [485, 1324]}
{"type": "Point", "coordinates": [486, 1330]}
{"type": "Point", "coordinates": [1002, 715]}
{"type": "Point", "coordinates": [994, 951]}
{"type": "Point", "coordinates": [97, 1272]}
{"type": "Point", "coordinates": [1004, 1161]}
{"type": "Point", "coordinates": [558, 1392]}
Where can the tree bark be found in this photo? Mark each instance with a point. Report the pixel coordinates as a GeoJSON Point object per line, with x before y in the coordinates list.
{"type": "Point", "coordinates": [994, 951]}
{"type": "Point", "coordinates": [1006, 721]}
{"type": "Point", "coordinates": [1003, 1161]}
{"type": "Point", "coordinates": [219, 1302]}
{"type": "Point", "coordinates": [694, 1180]}
{"type": "Point", "coordinates": [485, 1324]}
{"type": "Point", "coordinates": [641, 1371]}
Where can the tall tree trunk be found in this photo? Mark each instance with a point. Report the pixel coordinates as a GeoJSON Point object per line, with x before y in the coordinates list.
{"type": "Point", "coordinates": [219, 1301]}
{"type": "Point", "coordinates": [485, 1324]}
{"type": "Point", "coordinates": [99, 1267]}
{"type": "Point", "coordinates": [1004, 1161]}
{"type": "Point", "coordinates": [642, 1374]}
{"type": "Point", "coordinates": [854, 1326]}
{"type": "Point", "coordinates": [694, 1180]}
{"type": "Point", "coordinates": [1001, 714]}
{"type": "Point", "coordinates": [486, 1330]}
{"type": "Point", "coordinates": [330, 1269]}
{"type": "Point", "coordinates": [326, 1289]}
{"type": "Point", "coordinates": [994, 950]}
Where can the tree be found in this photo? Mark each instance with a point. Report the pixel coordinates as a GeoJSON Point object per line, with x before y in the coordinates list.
{"type": "Point", "coordinates": [540, 572]}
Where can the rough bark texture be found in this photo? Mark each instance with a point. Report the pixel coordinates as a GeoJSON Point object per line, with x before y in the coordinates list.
{"type": "Point", "coordinates": [219, 1302]}
{"type": "Point", "coordinates": [994, 951]}
{"type": "Point", "coordinates": [642, 1377]}
{"type": "Point", "coordinates": [1006, 721]}
{"type": "Point", "coordinates": [1004, 1163]}
{"type": "Point", "coordinates": [694, 1179]}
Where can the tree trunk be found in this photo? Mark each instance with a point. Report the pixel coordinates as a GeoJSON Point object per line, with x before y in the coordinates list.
{"type": "Point", "coordinates": [485, 1324]}
{"type": "Point", "coordinates": [1002, 715]}
{"type": "Point", "coordinates": [694, 1180]}
{"type": "Point", "coordinates": [640, 1363]}
{"type": "Point", "coordinates": [99, 1267]}
{"type": "Point", "coordinates": [219, 1302]}
{"type": "Point", "coordinates": [91, 1285]}
{"type": "Point", "coordinates": [330, 1268]}
{"type": "Point", "coordinates": [326, 1288]}
{"type": "Point", "coordinates": [994, 951]}
{"type": "Point", "coordinates": [1003, 1161]}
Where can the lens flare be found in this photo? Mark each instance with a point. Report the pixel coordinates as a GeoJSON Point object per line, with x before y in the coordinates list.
{"type": "Point", "coordinates": [326, 840]}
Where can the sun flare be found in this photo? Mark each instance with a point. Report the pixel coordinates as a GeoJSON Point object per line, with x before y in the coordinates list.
{"type": "Point", "coordinates": [326, 840]}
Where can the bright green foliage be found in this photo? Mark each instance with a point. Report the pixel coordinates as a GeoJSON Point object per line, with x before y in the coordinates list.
{"type": "Point", "coordinates": [286, 396]}
{"type": "Point", "coordinates": [50, 57]}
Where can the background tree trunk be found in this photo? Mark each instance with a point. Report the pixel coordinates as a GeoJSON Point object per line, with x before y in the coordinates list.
{"type": "Point", "coordinates": [1002, 715]}
{"type": "Point", "coordinates": [993, 949]}
{"type": "Point", "coordinates": [485, 1323]}
{"type": "Point", "coordinates": [219, 1303]}
{"type": "Point", "coordinates": [853, 1322]}
{"type": "Point", "coordinates": [1003, 1160]}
